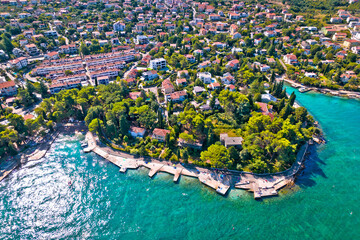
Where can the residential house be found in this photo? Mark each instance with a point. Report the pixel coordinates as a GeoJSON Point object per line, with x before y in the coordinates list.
{"type": "Point", "coordinates": [339, 36]}
{"type": "Point", "coordinates": [160, 134]}
{"type": "Point", "coordinates": [290, 59]}
{"type": "Point", "coordinates": [104, 80]}
{"type": "Point", "coordinates": [227, 79]}
{"type": "Point", "coordinates": [167, 87]}
{"type": "Point", "coordinates": [230, 87]}
{"type": "Point", "coordinates": [345, 77]}
{"type": "Point", "coordinates": [56, 87]}
{"type": "Point", "coordinates": [8, 88]}
{"type": "Point", "coordinates": [266, 109]}
{"type": "Point", "coordinates": [141, 39]}
{"type": "Point", "coordinates": [181, 82]}
{"type": "Point", "coordinates": [52, 55]}
{"type": "Point", "coordinates": [310, 75]}
{"type": "Point", "coordinates": [351, 43]}
{"type": "Point", "coordinates": [68, 49]}
{"type": "Point", "coordinates": [204, 64]}
{"type": "Point", "coordinates": [32, 49]}
{"type": "Point", "coordinates": [150, 75]}
{"type": "Point", "coordinates": [19, 63]}
{"type": "Point", "coordinates": [205, 77]}
{"type": "Point", "coordinates": [178, 96]}
{"type": "Point", "coordinates": [190, 58]}
{"type": "Point", "coordinates": [137, 131]}
{"type": "Point", "coordinates": [233, 64]}
{"type": "Point", "coordinates": [198, 90]}
{"type": "Point", "coordinates": [234, 16]}
{"type": "Point", "coordinates": [159, 63]}
{"type": "Point", "coordinates": [267, 97]}
{"type": "Point", "coordinates": [214, 86]}
{"type": "Point", "coordinates": [230, 141]}
{"type": "Point", "coordinates": [183, 73]}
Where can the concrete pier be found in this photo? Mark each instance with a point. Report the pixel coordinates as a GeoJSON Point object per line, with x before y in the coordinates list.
{"type": "Point", "coordinates": [154, 169]}
{"type": "Point", "coordinates": [177, 175]}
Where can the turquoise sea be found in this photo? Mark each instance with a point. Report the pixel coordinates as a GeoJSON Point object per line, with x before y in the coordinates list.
{"type": "Point", "coordinates": [37, 203]}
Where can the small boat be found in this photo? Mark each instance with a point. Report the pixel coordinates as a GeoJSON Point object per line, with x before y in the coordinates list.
{"type": "Point", "coordinates": [85, 144]}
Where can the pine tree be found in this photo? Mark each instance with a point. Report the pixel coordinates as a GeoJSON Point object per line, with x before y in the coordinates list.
{"type": "Point", "coordinates": [30, 88]}
{"type": "Point", "coordinates": [292, 99]}
{"type": "Point", "coordinates": [280, 105]}
{"type": "Point", "coordinates": [286, 111]}
{"type": "Point", "coordinates": [272, 77]}
{"type": "Point", "coordinates": [160, 119]}
{"type": "Point", "coordinates": [43, 89]}
{"type": "Point", "coordinates": [170, 108]}
{"type": "Point", "coordinates": [123, 125]}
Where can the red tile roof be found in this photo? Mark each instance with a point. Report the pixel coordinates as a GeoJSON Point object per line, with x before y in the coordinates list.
{"type": "Point", "coordinates": [7, 84]}
{"type": "Point", "coordinates": [160, 132]}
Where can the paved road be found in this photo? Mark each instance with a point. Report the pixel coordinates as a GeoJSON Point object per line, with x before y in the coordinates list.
{"type": "Point", "coordinates": [31, 79]}
{"type": "Point", "coordinates": [283, 64]}
{"type": "Point", "coordinates": [66, 39]}
{"type": "Point", "coordinates": [6, 72]}
{"type": "Point", "coordinates": [127, 72]}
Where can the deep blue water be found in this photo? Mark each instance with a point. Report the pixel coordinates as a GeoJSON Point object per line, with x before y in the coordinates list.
{"type": "Point", "coordinates": [37, 203]}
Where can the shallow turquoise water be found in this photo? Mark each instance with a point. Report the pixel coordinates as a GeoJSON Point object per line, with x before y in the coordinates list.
{"type": "Point", "coordinates": [37, 203]}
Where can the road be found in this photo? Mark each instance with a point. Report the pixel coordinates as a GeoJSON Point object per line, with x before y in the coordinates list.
{"type": "Point", "coordinates": [127, 72]}
{"type": "Point", "coordinates": [31, 79]}
{"type": "Point", "coordinates": [283, 64]}
{"type": "Point", "coordinates": [66, 39]}
{"type": "Point", "coordinates": [4, 67]}
{"type": "Point", "coordinates": [194, 13]}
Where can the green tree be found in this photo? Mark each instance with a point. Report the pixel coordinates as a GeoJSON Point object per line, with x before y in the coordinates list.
{"type": "Point", "coordinates": [84, 49]}
{"type": "Point", "coordinates": [217, 155]}
{"type": "Point", "coordinates": [30, 88]}
{"type": "Point", "coordinates": [43, 89]}
{"type": "Point", "coordinates": [96, 125]}
{"type": "Point", "coordinates": [147, 118]}
{"type": "Point", "coordinates": [286, 111]}
{"type": "Point", "coordinates": [160, 119]}
{"type": "Point", "coordinates": [123, 125]}
{"type": "Point", "coordinates": [292, 99]}
{"type": "Point", "coordinates": [6, 44]}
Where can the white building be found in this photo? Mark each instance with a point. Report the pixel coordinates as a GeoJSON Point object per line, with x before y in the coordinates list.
{"type": "Point", "coordinates": [141, 39]}
{"type": "Point", "coordinates": [51, 33]}
{"type": "Point", "coordinates": [267, 97]}
{"type": "Point", "coordinates": [310, 75]}
{"type": "Point", "coordinates": [19, 63]}
{"type": "Point", "coordinates": [205, 77]}
{"type": "Point", "coordinates": [8, 88]}
{"type": "Point", "coordinates": [119, 26]}
{"type": "Point", "coordinates": [158, 63]}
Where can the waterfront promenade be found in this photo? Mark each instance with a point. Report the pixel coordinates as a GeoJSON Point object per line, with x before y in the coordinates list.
{"type": "Point", "coordinates": [262, 185]}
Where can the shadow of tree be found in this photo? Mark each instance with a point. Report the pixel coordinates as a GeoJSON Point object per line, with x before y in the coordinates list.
{"type": "Point", "coordinates": [313, 167]}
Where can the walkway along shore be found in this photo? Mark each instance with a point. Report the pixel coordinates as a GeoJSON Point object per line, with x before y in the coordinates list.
{"type": "Point", "coordinates": [263, 185]}
{"type": "Point", "coordinates": [333, 92]}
